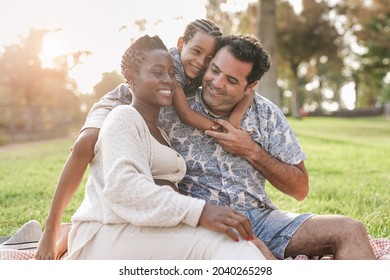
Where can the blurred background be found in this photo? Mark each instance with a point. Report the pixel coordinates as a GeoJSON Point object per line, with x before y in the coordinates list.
{"type": "Point", "coordinates": [329, 58]}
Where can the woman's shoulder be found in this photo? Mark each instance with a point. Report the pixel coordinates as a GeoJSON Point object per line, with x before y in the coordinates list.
{"type": "Point", "coordinates": [126, 110]}
{"type": "Point", "coordinates": [125, 114]}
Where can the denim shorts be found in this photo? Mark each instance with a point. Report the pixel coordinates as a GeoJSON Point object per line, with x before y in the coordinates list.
{"type": "Point", "coordinates": [275, 227]}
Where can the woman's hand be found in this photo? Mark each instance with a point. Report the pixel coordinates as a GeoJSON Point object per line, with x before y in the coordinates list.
{"type": "Point", "coordinates": [47, 246]}
{"type": "Point", "coordinates": [227, 220]}
{"type": "Point", "coordinates": [53, 246]}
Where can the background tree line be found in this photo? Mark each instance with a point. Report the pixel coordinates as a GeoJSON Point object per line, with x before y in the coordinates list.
{"type": "Point", "coordinates": [319, 50]}
{"type": "Point", "coordinates": [315, 53]}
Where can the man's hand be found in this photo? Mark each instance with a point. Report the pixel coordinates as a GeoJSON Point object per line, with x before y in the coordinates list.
{"type": "Point", "coordinates": [227, 220]}
{"type": "Point", "coordinates": [232, 140]}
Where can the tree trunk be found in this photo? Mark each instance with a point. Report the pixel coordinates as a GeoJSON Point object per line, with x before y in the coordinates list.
{"type": "Point", "coordinates": [295, 110]}
{"type": "Point", "coordinates": [266, 30]}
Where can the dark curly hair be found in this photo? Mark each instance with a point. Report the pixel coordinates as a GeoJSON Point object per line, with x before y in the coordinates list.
{"type": "Point", "coordinates": [203, 25]}
{"type": "Point", "coordinates": [248, 49]}
{"type": "Point", "coordinates": [135, 54]}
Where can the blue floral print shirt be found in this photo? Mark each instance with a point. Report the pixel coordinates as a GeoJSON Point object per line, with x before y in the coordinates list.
{"type": "Point", "coordinates": [220, 177]}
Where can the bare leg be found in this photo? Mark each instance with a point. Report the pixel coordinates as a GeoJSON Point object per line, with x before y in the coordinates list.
{"type": "Point", "coordinates": [335, 235]}
{"type": "Point", "coordinates": [263, 249]}
{"type": "Point", "coordinates": [62, 240]}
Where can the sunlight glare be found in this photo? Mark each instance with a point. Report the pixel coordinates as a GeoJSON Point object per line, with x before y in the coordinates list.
{"type": "Point", "coordinates": [50, 50]}
{"type": "Point", "coordinates": [348, 95]}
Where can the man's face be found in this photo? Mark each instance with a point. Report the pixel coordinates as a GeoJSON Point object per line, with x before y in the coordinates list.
{"type": "Point", "coordinates": [224, 83]}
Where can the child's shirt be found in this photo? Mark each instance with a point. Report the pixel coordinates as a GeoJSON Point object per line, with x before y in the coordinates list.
{"type": "Point", "coordinates": [188, 85]}
{"type": "Point", "coordinates": [121, 95]}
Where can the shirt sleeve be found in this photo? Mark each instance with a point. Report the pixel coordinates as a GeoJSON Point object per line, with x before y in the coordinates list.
{"type": "Point", "coordinates": [98, 113]}
{"type": "Point", "coordinates": [129, 190]}
{"type": "Point", "coordinates": [284, 144]}
{"type": "Point", "coordinates": [180, 74]}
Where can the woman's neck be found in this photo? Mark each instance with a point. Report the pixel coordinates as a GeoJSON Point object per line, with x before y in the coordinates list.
{"type": "Point", "coordinates": [150, 116]}
{"type": "Point", "coordinates": [148, 113]}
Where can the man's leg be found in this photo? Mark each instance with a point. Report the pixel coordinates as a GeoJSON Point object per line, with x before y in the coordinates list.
{"type": "Point", "coordinates": [338, 235]}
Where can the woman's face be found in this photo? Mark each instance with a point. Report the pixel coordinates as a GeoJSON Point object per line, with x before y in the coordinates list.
{"type": "Point", "coordinates": [155, 82]}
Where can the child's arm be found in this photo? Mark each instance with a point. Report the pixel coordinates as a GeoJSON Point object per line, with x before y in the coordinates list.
{"type": "Point", "coordinates": [189, 116]}
{"type": "Point", "coordinates": [240, 109]}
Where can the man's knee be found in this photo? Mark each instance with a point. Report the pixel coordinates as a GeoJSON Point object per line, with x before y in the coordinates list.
{"type": "Point", "coordinates": [350, 228]}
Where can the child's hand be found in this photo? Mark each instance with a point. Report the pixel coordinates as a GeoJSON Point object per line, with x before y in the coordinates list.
{"type": "Point", "coordinates": [217, 127]}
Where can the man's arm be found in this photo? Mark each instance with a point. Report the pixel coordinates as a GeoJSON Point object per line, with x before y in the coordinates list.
{"type": "Point", "coordinates": [292, 180]}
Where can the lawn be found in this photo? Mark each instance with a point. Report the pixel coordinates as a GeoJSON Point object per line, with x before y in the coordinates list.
{"type": "Point", "coordinates": [347, 159]}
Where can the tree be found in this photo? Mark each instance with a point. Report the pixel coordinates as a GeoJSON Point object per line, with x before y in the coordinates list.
{"type": "Point", "coordinates": [259, 20]}
{"type": "Point", "coordinates": [38, 90]}
{"type": "Point", "coordinates": [304, 40]}
{"type": "Point", "coordinates": [267, 31]}
{"type": "Point", "coordinates": [21, 67]}
{"type": "Point", "coordinates": [370, 25]}
{"type": "Point", "coordinates": [109, 81]}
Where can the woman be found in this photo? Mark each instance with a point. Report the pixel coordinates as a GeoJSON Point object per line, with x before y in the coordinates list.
{"type": "Point", "coordinates": [125, 214]}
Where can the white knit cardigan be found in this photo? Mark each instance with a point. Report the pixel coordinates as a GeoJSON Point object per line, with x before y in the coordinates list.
{"type": "Point", "coordinates": [120, 187]}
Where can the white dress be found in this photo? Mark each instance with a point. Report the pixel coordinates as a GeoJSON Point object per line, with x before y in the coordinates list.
{"type": "Point", "coordinates": [124, 215]}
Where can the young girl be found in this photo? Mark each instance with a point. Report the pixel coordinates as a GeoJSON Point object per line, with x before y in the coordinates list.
{"type": "Point", "coordinates": [191, 58]}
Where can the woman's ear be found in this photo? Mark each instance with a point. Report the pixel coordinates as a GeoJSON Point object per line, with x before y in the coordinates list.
{"type": "Point", "coordinates": [180, 43]}
{"type": "Point", "coordinates": [129, 76]}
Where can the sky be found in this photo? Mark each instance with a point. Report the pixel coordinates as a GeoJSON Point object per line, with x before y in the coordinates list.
{"type": "Point", "coordinates": [105, 28]}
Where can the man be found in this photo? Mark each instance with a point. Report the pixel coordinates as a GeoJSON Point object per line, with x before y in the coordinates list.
{"type": "Point", "coordinates": [230, 168]}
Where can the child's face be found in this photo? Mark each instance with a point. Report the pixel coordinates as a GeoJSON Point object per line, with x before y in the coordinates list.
{"type": "Point", "coordinates": [196, 54]}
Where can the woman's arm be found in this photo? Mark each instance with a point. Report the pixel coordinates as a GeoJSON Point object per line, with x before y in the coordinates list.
{"type": "Point", "coordinates": [69, 181]}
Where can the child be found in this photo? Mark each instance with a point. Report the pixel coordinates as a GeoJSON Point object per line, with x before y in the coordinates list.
{"type": "Point", "coordinates": [194, 51]}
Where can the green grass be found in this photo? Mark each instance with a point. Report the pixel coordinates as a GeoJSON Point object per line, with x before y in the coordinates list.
{"type": "Point", "coordinates": [348, 162]}
{"type": "Point", "coordinates": [28, 177]}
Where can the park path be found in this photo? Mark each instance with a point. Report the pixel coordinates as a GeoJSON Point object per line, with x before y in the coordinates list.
{"type": "Point", "coordinates": [17, 145]}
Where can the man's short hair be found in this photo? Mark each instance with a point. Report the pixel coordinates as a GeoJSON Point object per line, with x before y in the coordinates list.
{"type": "Point", "coordinates": [248, 49]}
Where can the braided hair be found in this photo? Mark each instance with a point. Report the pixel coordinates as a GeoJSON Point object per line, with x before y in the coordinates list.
{"type": "Point", "coordinates": [201, 25]}
{"type": "Point", "coordinates": [136, 53]}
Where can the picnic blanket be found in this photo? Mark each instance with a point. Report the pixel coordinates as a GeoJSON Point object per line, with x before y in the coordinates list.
{"type": "Point", "coordinates": [23, 244]}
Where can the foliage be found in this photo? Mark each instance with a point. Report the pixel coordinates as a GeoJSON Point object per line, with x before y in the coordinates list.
{"type": "Point", "coordinates": [26, 83]}
{"type": "Point", "coordinates": [318, 46]}
{"type": "Point", "coordinates": [31, 83]}
{"type": "Point", "coordinates": [370, 24]}
{"type": "Point", "coordinates": [109, 81]}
